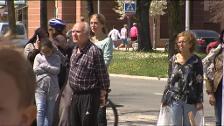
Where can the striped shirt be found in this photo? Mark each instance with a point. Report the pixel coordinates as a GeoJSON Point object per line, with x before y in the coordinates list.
{"type": "Point", "coordinates": [88, 70]}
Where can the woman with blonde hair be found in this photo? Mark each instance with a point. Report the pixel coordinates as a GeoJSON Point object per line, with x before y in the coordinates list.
{"type": "Point", "coordinates": [184, 91]}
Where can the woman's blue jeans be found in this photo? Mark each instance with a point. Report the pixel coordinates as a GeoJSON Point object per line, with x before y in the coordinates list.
{"type": "Point", "coordinates": [45, 101]}
{"type": "Point", "coordinates": [179, 113]}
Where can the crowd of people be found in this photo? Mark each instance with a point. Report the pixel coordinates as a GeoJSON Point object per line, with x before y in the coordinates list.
{"type": "Point", "coordinates": [62, 85]}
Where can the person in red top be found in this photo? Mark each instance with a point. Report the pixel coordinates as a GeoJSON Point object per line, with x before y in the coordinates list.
{"type": "Point", "coordinates": [134, 32]}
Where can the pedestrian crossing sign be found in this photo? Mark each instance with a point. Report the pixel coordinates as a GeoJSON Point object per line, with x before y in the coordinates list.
{"type": "Point", "coordinates": [130, 7]}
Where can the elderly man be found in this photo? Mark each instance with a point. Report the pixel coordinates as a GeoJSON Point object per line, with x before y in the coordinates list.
{"type": "Point", "coordinates": [87, 85]}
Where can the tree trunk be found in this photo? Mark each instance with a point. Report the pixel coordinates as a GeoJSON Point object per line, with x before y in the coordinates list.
{"type": "Point", "coordinates": [11, 18]}
{"type": "Point", "coordinates": [142, 14]}
{"type": "Point", "coordinates": [43, 14]}
{"type": "Point", "coordinates": [90, 7]}
{"type": "Point", "coordinates": [174, 25]}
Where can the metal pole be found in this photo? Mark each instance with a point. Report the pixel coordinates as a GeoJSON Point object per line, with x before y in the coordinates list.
{"type": "Point", "coordinates": [187, 15]}
{"type": "Point", "coordinates": [154, 32]}
{"type": "Point", "coordinates": [98, 6]}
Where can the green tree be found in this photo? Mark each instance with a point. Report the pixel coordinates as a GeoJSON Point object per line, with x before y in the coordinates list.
{"type": "Point", "coordinates": [174, 25]}
{"type": "Point", "coordinates": [11, 18]}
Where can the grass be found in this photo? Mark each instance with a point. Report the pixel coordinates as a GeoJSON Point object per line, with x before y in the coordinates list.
{"type": "Point", "coordinates": [152, 64]}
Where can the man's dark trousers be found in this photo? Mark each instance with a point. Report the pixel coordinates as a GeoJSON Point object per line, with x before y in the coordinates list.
{"type": "Point", "coordinates": [102, 119]}
{"type": "Point", "coordinates": [85, 107]}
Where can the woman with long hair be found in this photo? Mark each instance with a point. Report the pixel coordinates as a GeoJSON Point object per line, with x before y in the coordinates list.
{"type": "Point", "coordinates": [46, 68]}
{"type": "Point", "coordinates": [32, 47]}
{"type": "Point", "coordinates": [98, 35]}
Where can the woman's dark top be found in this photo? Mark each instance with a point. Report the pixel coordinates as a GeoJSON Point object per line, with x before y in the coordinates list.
{"type": "Point", "coordinates": [186, 82]}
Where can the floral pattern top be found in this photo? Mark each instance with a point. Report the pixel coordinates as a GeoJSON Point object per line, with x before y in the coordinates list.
{"type": "Point", "coordinates": [186, 81]}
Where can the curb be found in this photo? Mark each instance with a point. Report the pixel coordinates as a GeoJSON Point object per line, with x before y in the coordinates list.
{"type": "Point", "coordinates": [138, 77]}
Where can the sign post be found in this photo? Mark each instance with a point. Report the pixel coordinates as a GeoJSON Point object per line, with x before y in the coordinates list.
{"type": "Point", "coordinates": [129, 9]}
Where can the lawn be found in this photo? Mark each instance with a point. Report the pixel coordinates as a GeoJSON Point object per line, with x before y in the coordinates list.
{"type": "Point", "coordinates": [152, 64]}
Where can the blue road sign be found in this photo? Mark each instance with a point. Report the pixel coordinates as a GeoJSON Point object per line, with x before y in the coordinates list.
{"type": "Point", "coordinates": [130, 7]}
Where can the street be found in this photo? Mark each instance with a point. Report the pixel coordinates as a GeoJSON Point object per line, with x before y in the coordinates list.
{"type": "Point", "coordinates": [139, 101]}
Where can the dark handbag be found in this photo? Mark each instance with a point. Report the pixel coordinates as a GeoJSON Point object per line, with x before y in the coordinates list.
{"type": "Point", "coordinates": [167, 97]}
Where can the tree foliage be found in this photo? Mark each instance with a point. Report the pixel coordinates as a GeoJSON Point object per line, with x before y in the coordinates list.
{"type": "Point", "coordinates": [216, 9]}
{"type": "Point", "coordinates": [157, 7]}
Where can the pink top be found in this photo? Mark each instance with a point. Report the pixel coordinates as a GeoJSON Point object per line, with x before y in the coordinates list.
{"type": "Point", "coordinates": [134, 32]}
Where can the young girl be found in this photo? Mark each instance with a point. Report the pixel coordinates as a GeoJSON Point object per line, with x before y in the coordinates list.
{"type": "Point", "coordinates": [46, 67]}
{"type": "Point", "coordinates": [99, 38]}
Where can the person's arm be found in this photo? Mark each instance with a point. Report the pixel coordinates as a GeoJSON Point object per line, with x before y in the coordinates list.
{"type": "Point", "coordinates": [199, 84]}
{"type": "Point", "coordinates": [136, 32]}
{"type": "Point", "coordinates": [119, 35]}
{"type": "Point", "coordinates": [168, 85]}
{"type": "Point", "coordinates": [101, 71]}
{"type": "Point", "coordinates": [53, 68]}
{"type": "Point", "coordinates": [28, 48]}
{"type": "Point", "coordinates": [36, 65]}
{"type": "Point", "coordinates": [199, 81]}
{"type": "Point", "coordinates": [109, 35]}
{"type": "Point", "coordinates": [108, 52]}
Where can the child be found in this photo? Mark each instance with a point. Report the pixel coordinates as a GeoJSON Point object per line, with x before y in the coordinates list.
{"type": "Point", "coordinates": [46, 67]}
{"type": "Point", "coordinates": [16, 89]}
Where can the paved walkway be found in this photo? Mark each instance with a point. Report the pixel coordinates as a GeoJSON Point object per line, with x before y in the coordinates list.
{"type": "Point", "coordinates": [129, 117]}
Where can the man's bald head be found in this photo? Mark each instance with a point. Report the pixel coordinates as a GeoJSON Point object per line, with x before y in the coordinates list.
{"type": "Point", "coordinates": [84, 26]}
{"type": "Point", "coordinates": [80, 32]}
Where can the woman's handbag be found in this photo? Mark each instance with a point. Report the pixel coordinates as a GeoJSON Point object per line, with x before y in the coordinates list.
{"type": "Point", "coordinates": [165, 118]}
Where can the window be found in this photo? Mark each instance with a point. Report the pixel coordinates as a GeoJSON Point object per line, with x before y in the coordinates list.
{"type": "Point", "coordinates": [19, 29]}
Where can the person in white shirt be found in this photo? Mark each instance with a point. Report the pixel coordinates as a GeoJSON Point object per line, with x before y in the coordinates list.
{"type": "Point", "coordinates": [114, 34]}
{"type": "Point", "coordinates": [124, 37]}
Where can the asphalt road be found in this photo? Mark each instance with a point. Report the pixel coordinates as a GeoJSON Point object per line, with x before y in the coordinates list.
{"type": "Point", "coordinates": [138, 101]}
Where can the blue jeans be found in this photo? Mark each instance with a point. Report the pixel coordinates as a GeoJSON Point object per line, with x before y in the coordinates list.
{"type": "Point", "coordinates": [45, 96]}
{"type": "Point", "coordinates": [218, 105]}
{"type": "Point", "coordinates": [179, 113]}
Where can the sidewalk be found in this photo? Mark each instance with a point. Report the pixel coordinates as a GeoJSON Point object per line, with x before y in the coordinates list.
{"type": "Point", "coordinates": [138, 77]}
{"type": "Point", "coordinates": [131, 49]}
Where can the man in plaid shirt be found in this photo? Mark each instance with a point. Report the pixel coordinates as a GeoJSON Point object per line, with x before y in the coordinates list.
{"type": "Point", "coordinates": [87, 85]}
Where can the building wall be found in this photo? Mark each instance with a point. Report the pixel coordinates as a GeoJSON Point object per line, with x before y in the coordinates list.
{"type": "Point", "coordinates": [33, 16]}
